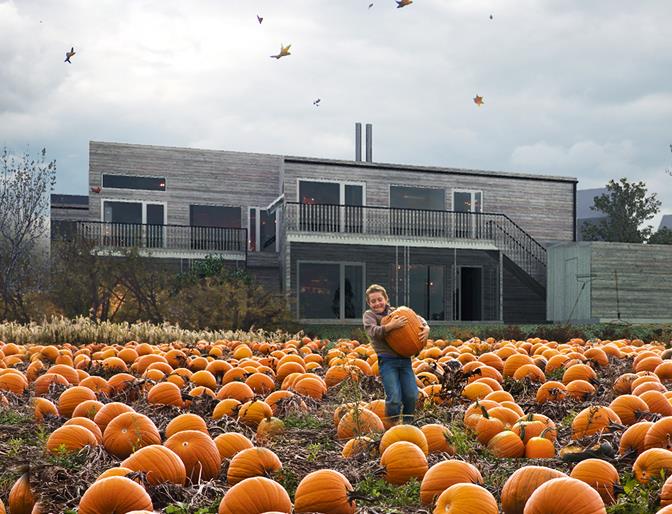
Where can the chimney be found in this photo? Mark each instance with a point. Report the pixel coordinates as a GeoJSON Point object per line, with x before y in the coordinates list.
{"type": "Point", "coordinates": [358, 141]}
{"type": "Point", "coordinates": [369, 142]}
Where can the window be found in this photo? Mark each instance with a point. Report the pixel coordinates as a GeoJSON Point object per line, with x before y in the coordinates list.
{"type": "Point", "coordinates": [406, 197]}
{"type": "Point", "coordinates": [466, 205]}
{"type": "Point", "coordinates": [417, 211]}
{"type": "Point", "coordinates": [214, 216]}
{"type": "Point", "coordinates": [131, 182]}
{"type": "Point", "coordinates": [262, 230]}
{"type": "Point", "coordinates": [331, 206]}
{"type": "Point", "coordinates": [427, 291]}
{"type": "Point", "coordinates": [319, 290]}
{"type": "Point", "coordinates": [212, 227]}
{"type": "Point", "coordinates": [134, 223]}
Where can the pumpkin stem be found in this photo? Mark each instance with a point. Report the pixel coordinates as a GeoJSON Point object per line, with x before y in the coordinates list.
{"type": "Point", "coordinates": [352, 496]}
{"type": "Point", "coordinates": [546, 430]}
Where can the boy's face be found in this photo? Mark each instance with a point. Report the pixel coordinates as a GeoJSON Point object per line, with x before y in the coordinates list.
{"type": "Point", "coordinates": [377, 302]}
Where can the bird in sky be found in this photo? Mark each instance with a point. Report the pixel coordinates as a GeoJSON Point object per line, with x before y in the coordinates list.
{"type": "Point", "coordinates": [284, 51]}
{"type": "Point", "coordinates": [403, 3]}
{"type": "Point", "coordinates": [478, 100]}
{"type": "Point", "coordinates": [370, 5]}
{"type": "Point", "coordinates": [259, 19]}
{"type": "Point", "coordinates": [492, 17]}
{"type": "Point", "coordinates": [316, 103]}
{"type": "Point", "coordinates": [69, 54]}
{"type": "Point", "coordinates": [96, 189]}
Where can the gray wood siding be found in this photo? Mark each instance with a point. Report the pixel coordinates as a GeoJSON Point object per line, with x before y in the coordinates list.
{"type": "Point", "coordinates": [542, 207]}
{"type": "Point", "coordinates": [521, 303]}
{"type": "Point", "coordinates": [193, 176]}
{"type": "Point", "coordinates": [380, 263]}
{"type": "Point", "coordinates": [644, 281]}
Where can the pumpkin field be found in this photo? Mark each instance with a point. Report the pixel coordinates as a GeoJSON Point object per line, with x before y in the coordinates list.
{"type": "Point", "coordinates": [282, 425]}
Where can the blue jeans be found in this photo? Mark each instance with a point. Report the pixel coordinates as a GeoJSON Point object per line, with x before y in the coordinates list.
{"type": "Point", "coordinates": [400, 387]}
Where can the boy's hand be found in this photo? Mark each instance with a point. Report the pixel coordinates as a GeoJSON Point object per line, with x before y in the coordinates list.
{"type": "Point", "coordinates": [397, 322]}
{"type": "Point", "coordinates": [424, 333]}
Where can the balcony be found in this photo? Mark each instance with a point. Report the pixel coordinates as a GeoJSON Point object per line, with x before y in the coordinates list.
{"type": "Point", "coordinates": [168, 241]}
{"type": "Point", "coordinates": [353, 224]}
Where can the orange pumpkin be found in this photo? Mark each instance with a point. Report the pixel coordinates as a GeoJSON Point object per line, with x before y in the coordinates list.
{"type": "Point", "coordinates": [444, 474]}
{"type": "Point", "coordinates": [404, 340]}
{"type": "Point", "coordinates": [114, 494]}
{"type": "Point", "coordinates": [256, 495]}
{"type": "Point", "coordinates": [466, 499]}
{"type": "Point", "coordinates": [402, 461]}
{"type": "Point", "coordinates": [564, 495]}
{"type": "Point", "coordinates": [159, 463]}
{"type": "Point", "coordinates": [252, 462]}
{"type": "Point", "coordinates": [198, 452]}
{"type": "Point", "coordinates": [326, 491]}
{"type": "Point", "coordinates": [522, 483]}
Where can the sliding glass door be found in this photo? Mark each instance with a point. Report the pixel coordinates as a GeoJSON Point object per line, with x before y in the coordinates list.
{"type": "Point", "coordinates": [331, 206]}
{"type": "Point", "coordinates": [328, 290]}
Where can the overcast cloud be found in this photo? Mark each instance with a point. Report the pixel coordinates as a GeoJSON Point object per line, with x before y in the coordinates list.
{"type": "Point", "coordinates": [571, 87]}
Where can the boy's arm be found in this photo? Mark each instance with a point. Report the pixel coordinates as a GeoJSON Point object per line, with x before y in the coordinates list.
{"type": "Point", "coordinates": [371, 327]}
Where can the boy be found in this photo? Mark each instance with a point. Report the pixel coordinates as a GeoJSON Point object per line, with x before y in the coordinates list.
{"type": "Point", "coordinates": [396, 371]}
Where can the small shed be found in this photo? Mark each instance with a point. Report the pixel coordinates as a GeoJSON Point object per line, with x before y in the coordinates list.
{"type": "Point", "coordinates": [602, 282]}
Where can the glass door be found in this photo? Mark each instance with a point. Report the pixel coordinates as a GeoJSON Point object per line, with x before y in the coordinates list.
{"type": "Point", "coordinates": [155, 227]}
{"type": "Point", "coordinates": [123, 224]}
{"type": "Point", "coordinates": [353, 216]}
{"type": "Point", "coordinates": [466, 204]}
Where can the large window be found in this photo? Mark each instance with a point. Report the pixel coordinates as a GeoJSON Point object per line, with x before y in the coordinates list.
{"type": "Point", "coordinates": [331, 206]}
{"type": "Point", "coordinates": [211, 227]}
{"type": "Point", "coordinates": [427, 288]}
{"type": "Point", "coordinates": [262, 230]}
{"type": "Point", "coordinates": [134, 223]}
{"type": "Point", "coordinates": [413, 211]}
{"type": "Point", "coordinates": [320, 286]}
{"type": "Point", "coordinates": [467, 205]}
{"type": "Point", "coordinates": [132, 182]}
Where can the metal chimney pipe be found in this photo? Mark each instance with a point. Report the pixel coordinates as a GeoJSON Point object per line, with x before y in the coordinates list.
{"type": "Point", "coordinates": [369, 142]}
{"type": "Point", "coordinates": [358, 141]}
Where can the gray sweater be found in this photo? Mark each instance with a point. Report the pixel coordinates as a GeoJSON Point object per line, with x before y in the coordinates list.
{"type": "Point", "coordinates": [376, 333]}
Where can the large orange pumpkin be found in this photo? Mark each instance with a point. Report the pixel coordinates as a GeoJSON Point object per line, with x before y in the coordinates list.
{"type": "Point", "coordinates": [466, 499]}
{"type": "Point", "coordinates": [114, 494]}
{"type": "Point", "coordinates": [252, 462]}
{"type": "Point", "coordinates": [198, 452]}
{"type": "Point", "coordinates": [256, 495]}
{"type": "Point", "coordinates": [159, 463]}
{"type": "Point", "coordinates": [128, 432]}
{"type": "Point", "coordinates": [325, 491]}
{"type": "Point", "coordinates": [444, 474]}
{"type": "Point", "coordinates": [522, 483]}
{"type": "Point", "coordinates": [402, 461]}
{"type": "Point", "coordinates": [404, 340]}
{"type": "Point", "coordinates": [564, 495]}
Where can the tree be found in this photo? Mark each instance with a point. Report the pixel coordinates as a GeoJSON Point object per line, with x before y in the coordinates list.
{"type": "Point", "coordinates": [25, 184]}
{"type": "Point", "coordinates": [627, 207]}
{"type": "Point", "coordinates": [662, 237]}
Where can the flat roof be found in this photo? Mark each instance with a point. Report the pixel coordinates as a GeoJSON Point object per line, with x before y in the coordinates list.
{"type": "Point", "coordinates": [378, 165]}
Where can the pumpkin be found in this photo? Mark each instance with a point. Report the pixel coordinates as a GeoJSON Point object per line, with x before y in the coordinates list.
{"type": "Point", "coordinates": [522, 483]}
{"type": "Point", "coordinates": [256, 495]}
{"type": "Point", "coordinates": [230, 443]}
{"type": "Point", "coordinates": [650, 463]}
{"type": "Point", "coordinates": [114, 494]}
{"type": "Point", "coordinates": [128, 432]}
{"type": "Point", "coordinates": [357, 422]}
{"type": "Point", "coordinates": [42, 384]}
{"type": "Point", "coordinates": [110, 411]}
{"type": "Point", "coordinates": [551, 392]}
{"type": "Point", "coordinates": [592, 420]}
{"type": "Point", "coordinates": [408, 433]}
{"type": "Point", "coordinates": [228, 407]}
{"type": "Point", "coordinates": [72, 397]}
{"type": "Point", "coordinates": [466, 499]}
{"type": "Point", "coordinates": [269, 428]}
{"type": "Point", "coordinates": [438, 438]}
{"type": "Point", "coordinates": [165, 393]}
{"type": "Point", "coordinates": [600, 475]}
{"type": "Point", "coordinates": [666, 493]}
{"type": "Point", "coordinates": [539, 447]}
{"type": "Point", "coordinates": [444, 474]}
{"type": "Point", "coordinates": [187, 421]}
{"type": "Point", "coordinates": [159, 463]}
{"type": "Point", "coordinates": [325, 491]}
{"type": "Point", "coordinates": [238, 390]}
{"type": "Point", "coordinates": [506, 444]}
{"type": "Point", "coordinates": [87, 423]}
{"type": "Point", "coordinates": [633, 438]}
{"type": "Point", "coordinates": [487, 427]}
{"type": "Point", "coordinates": [21, 498]}
{"type": "Point", "coordinates": [252, 412]}
{"type": "Point", "coordinates": [359, 445]}
{"type": "Point", "coordinates": [70, 438]}
{"type": "Point", "coordinates": [402, 461]}
{"type": "Point", "coordinates": [564, 495]}
{"type": "Point", "coordinates": [87, 409]}
{"type": "Point", "coordinates": [198, 452]}
{"type": "Point", "coordinates": [252, 462]}
{"type": "Point", "coordinates": [42, 408]}
{"type": "Point", "coordinates": [117, 471]}
{"type": "Point", "coordinates": [629, 408]}
{"type": "Point", "coordinates": [659, 434]}
{"type": "Point", "coordinates": [404, 340]}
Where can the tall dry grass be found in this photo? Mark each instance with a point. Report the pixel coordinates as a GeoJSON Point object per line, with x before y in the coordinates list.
{"type": "Point", "coordinates": [86, 330]}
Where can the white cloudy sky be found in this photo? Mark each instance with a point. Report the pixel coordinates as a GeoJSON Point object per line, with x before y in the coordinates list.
{"type": "Point", "coordinates": [572, 87]}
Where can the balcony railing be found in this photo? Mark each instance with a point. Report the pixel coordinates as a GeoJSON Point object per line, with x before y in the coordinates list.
{"type": "Point", "coordinates": [179, 238]}
{"type": "Point", "coordinates": [506, 235]}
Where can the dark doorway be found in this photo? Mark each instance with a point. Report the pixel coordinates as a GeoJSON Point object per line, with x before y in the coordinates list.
{"type": "Point", "coordinates": [470, 293]}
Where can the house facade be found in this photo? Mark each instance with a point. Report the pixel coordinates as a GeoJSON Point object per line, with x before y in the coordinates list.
{"type": "Point", "coordinates": [454, 244]}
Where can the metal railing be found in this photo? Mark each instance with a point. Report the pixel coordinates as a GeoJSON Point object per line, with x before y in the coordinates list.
{"type": "Point", "coordinates": [165, 237]}
{"type": "Point", "coordinates": [511, 239]}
